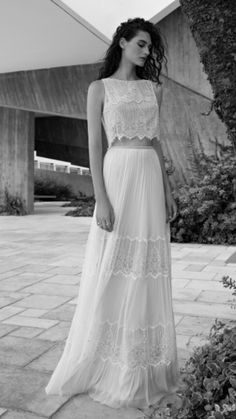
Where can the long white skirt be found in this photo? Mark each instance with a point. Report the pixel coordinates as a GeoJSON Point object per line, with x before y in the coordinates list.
{"type": "Point", "coordinates": [121, 347]}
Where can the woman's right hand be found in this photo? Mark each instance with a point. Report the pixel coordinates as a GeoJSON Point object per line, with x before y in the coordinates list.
{"type": "Point", "coordinates": [105, 214]}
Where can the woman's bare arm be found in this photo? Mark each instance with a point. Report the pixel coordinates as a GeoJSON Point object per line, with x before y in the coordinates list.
{"type": "Point", "coordinates": [157, 145]}
{"type": "Point", "coordinates": [104, 210]}
{"type": "Point", "coordinates": [94, 112]}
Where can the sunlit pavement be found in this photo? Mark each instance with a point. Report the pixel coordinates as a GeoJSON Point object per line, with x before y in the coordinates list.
{"type": "Point", "coordinates": [41, 258]}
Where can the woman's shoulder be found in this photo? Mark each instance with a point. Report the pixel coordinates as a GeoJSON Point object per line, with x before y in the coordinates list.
{"type": "Point", "coordinates": [96, 85]}
{"type": "Point", "coordinates": [96, 88]}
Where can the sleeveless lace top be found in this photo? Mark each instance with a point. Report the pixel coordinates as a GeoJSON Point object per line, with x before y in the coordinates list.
{"type": "Point", "coordinates": [130, 110]}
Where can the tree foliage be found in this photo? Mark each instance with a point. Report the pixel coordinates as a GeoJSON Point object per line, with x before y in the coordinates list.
{"type": "Point", "coordinates": [213, 27]}
{"type": "Point", "coordinates": [207, 205]}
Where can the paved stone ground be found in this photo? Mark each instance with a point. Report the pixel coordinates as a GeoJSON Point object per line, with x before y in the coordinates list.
{"type": "Point", "coordinates": [40, 265]}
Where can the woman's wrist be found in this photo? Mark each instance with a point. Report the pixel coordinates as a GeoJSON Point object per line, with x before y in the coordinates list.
{"type": "Point", "coordinates": [167, 185]}
{"type": "Point", "coordinates": [101, 197]}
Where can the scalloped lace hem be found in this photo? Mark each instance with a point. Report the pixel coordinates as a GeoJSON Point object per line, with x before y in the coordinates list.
{"type": "Point", "coordinates": [139, 258]}
{"type": "Point", "coordinates": [137, 348]}
{"type": "Point", "coordinates": [132, 137]}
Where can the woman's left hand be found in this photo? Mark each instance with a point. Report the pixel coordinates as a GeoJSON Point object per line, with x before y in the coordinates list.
{"type": "Point", "coordinates": [171, 208]}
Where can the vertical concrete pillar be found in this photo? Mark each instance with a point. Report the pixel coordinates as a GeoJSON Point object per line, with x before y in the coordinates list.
{"type": "Point", "coordinates": [17, 155]}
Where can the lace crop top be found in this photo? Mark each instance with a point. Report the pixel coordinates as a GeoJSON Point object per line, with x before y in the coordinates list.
{"type": "Point", "coordinates": [130, 110]}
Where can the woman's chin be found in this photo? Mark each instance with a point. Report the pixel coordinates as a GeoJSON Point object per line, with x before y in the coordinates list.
{"type": "Point", "coordinates": [140, 64]}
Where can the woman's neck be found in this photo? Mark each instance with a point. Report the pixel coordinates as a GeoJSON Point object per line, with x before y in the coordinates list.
{"type": "Point", "coordinates": [125, 75]}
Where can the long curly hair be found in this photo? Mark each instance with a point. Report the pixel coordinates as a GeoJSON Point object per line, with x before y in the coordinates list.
{"type": "Point", "coordinates": [153, 64]}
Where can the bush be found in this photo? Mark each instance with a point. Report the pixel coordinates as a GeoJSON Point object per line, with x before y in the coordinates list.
{"type": "Point", "coordinates": [13, 205]}
{"type": "Point", "coordinates": [210, 377]}
{"type": "Point", "coordinates": [231, 284]}
{"type": "Point", "coordinates": [207, 206]}
{"type": "Point", "coordinates": [49, 187]}
{"type": "Point", "coordinates": [84, 206]}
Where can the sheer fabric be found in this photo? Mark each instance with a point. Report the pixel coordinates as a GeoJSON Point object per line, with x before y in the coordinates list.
{"type": "Point", "coordinates": [121, 347]}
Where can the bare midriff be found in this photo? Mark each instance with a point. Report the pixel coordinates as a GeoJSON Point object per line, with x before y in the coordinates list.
{"type": "Point", "coordinates": [135, 142]}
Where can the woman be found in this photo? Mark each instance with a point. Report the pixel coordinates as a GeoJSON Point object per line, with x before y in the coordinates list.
{"type": "Point", "coordinates": [121, 347]}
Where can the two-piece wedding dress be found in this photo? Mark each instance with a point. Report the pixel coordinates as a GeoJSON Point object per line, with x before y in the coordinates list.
{"type": "Point", "coordinates": [121, 348]}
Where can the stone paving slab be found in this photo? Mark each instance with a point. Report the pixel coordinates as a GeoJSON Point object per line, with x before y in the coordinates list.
{"type": "Point", "coordinates": [20, 351]}
{"type": "Point", "coordinates": [213, 296]}
{"type": "Point", "coordinates": [39, 287]}
{"type": "Point", "coordinates": [49, 359]}
{"type": "Point", "coordinates": [6, 267]}
{"type": "Point", "coordinates": [189, 294]}
{"type": "Point", "coordinates": [64, 312]}
{"type": "Point", "coordinates": [225, 269]}
{"type": "Point", "coordinates": [180, 283]}
{"type": "Point", "coordinates": [232, 258]}
{"type": "Point", "coordinates": [56, 333]}
{"type": "Point", "coordinates": [206, 285]}
{"type": "Point", "coordinates": [219, 276]}
{"type": "Point", "coordinates": [26, 331]}
{"type": "Point", "coordinates": [50, 289]}
{"type": "Point", "coordinates": [200, 325]}
{"type": "Point", "coordinates": [33, 312]}
{"type": "Point", "coordinates": [22, 320]}
{"type": "Point", "coordinates": [6, 301]}
{"type": "Point", "coordinates": [23, 389]}
{"type": "Point", "coordinates": [195, 267]}
{"type": "Point", "coordinates": [81, 407]}
{"type": "Point", "coordinates": [212, 310]}
{"type": "Point", "coordinates": [183, 274]}
{"type": "Point", "coordinates": [5, 329]}
{"type": "Point", "coordinates": [16, 284]}
{"type": "Point", "coordinates": [42, 301]}
{"type": "Point", "coordinates": [13, 414]}
{"type": "Point", "coordinates": [15, 295]}
{"type": "Point", "coordinates": [64, 279]}
{"type": "Point", "coordinates": [34, 268]}
{"type": "Point", "coordinates": [9, 311]}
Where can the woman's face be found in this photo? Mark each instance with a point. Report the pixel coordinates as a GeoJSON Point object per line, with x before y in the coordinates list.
{"type": "Point", "coordinates": [138, 48]}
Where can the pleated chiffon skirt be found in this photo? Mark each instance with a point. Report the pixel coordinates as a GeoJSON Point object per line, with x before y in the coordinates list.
{"type": "Point", "coordinates": [121, 347]}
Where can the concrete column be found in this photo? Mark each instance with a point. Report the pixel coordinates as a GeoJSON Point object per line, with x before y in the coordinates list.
{"type": "Point", "coordinates": [17, 155]}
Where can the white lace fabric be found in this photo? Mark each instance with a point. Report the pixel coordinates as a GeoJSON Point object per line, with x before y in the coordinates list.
{"type": "Point", "coordinates": [139, 259]}
{"type": "Point", "coordinates": [142, 348]}
{"type": "Point", "coordinates": [130, 110]}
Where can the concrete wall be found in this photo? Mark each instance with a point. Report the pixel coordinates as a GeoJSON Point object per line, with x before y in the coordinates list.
{"type": "Point", "coordinates": [187, 95]}
{"type": "Point", "coordinates": [182, 126]}
{"type": "Point", "coordinates": [82, 183]}
{"type": "Point", "coordinates": [17, 155]}
{"type": "Point", "coordinates": [184, 64]}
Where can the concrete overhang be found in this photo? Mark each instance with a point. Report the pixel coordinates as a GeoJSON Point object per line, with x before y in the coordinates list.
{"type": "Point", "coordinates": [37, 34]}
{"type": "Point", "coordinates": [165, 12]}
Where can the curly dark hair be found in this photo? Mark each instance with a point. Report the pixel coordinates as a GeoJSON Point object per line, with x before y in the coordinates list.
{"type": "Point", "coordinates": [153, 64]}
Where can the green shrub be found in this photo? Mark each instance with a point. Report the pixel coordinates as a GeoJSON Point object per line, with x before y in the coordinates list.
{"type": "Point", "coordinates": [210, 377]}
{"type": "Point", "coordinates": [13, 205]}
{"type": "Point", "coordinates": [84, 206]}
{"type": "Point", "coordinates": [207, 206]}
{"type": "Point", "coordinates": [50, 187]}
{"type": "Point", "coordinates": [231, 284]}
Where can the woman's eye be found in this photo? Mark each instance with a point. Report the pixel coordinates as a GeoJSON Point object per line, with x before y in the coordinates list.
{"type": "Point", "coordinates": [143, 45]}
